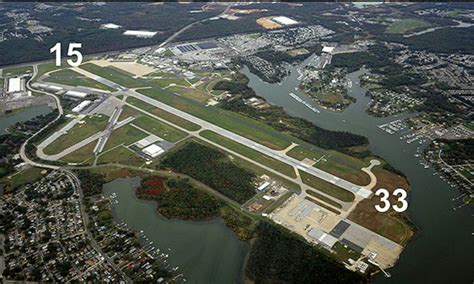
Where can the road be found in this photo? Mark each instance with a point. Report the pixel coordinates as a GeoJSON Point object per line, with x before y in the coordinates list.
{"type": "Point", "coordinates": [23, 155]}
{"type": "Point", "coordinates": [173, 36]}
{"type": "Point", "coordinates": [91, 238]}
{"type": "Point", "coordinates": [27, 160]}
{"type": "Point", "coordinates": [205, 125]}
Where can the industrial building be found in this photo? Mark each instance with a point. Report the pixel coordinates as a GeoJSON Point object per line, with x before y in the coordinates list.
{"type": "Point", "coordinates": [284, 21]}
{"type": "Point", "coordinates": [328, 49]}
{"type": "Point", "coordinates": [147, 141]}
{"type": "Point", "coordinates": [15, 85]}
{"type": "Point", "coordinates": [76, 94]}
{"type": "Point", "coordinates": [49, 88]}
{"type": "Point", "coordinates": [263, 186]}
{"type": "Point", "coordinates": [322, 238]}
{"type": "Point", "coordinates": [153, 151]}
{"type": "Point", "coordinates": [81, 106]}
{"type": "Point", "coordinates": [193, 46]}
{"type": "Point", "coordinates": [142, 34]}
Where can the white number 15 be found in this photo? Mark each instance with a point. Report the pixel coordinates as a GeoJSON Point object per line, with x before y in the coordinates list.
{"type": "Point", "coordinates": [71, 51]}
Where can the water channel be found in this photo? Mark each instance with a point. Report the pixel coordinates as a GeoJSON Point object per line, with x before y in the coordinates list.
{"type": "Point", "coordinates": [442, 252]}
{"type": "Point", "coordinates": [8, 120]}
{"type": "Point", "coordinates": [205, 252]}
{"type": "Point", "coordinates": [208, 252]}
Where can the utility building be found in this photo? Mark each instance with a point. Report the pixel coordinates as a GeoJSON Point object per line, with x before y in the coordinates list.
{"type": "Point", "coordinates": [153, 150]}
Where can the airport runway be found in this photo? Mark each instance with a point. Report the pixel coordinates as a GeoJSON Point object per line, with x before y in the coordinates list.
{"type": "Point", "coordinates": [356, 189]}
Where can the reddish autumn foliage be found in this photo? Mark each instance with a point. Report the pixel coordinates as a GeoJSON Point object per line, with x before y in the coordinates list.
{"type": "Point", "coordinates": [153, 192]}
{"type": "Point", "coordinates": [153, 182]}
{"type": "Point", "coordinates": [153, 186]}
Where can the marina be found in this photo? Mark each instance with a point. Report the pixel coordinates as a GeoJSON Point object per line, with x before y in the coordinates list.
{"type": "Point", "coordinates": [308, 105]}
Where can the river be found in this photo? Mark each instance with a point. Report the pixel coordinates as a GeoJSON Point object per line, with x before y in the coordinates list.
{"type": "Point", "coordinates": [442, 252]}
{"type": "Point", "coordinates": [21, 115]}
{"type": "Point", "coordinates": [206, 252]}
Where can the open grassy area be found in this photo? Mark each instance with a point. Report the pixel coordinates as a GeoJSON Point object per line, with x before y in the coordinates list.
{"type": "Point", "coordinates": [28, 175]}
{"type": "Point", "coordinates": [260, 171]}
{"type": "Point", "coordinates": [159, 128]}
{"type": "Point", "coordinates": [278, 203]}
{"type": "Point", "coordinates": [125, 135]}
{"type": "Point", "coordinates": [391, 225]}
{"type": "Point", "coordinates": [250, 153]}
{"type": "Point", "coordinates": [252, 129]}
{"type": "Point", "coordinates": [115, 75]}
{"type": "Point", "coordinates": [164, 114]}
{"type": "Point", "coordinates": [327, 187]}
{"type": "Point", "coordinates": [72, 78]}
{"type": "Point", "coordinates": [336, 163]}
{"type": "Point", "coordinates": [46, 67]}
{"type": "Point", "coordinates": [127, 112]}
{"type": "Point", "coordinates": [120, 155]}
{"type": "Point", "coordinates": [83, 155]}
{"type": "Point", "coordinates": [406, 25]}
{"type": "Point", "coordinates": [323, 205]}
{"type": "Point", "coordinates": [323, 198]}
{"type": "Point", "coordinates": [171, 80]}
{"type": "Point", "coordinates": [14, 71]}
{"type": "Point", "coordinates": [258, 131]}
{"type": "Point", "coordinates": [344, 253]}
{"type": "Point", "coordinates": [79, 132]}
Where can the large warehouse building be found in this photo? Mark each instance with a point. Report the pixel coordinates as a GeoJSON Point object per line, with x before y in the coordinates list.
{"type": "Point", "coordinates": [15, 85]}
{"type": "Point", "coordinates": [153, 151]}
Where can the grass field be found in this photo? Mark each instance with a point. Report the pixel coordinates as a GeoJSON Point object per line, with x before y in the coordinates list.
{"type": "Point", "coordinates": [159, 128]}
{"type": "Point", "coordinates": [14, 71]}
{"type": "Point", "coordinates": [115, 75]}
{"type": "Point", "coordinates": [26, 176]}
{"type": "Point", "coordinates": [46, 67]}
{"type": "Point", "coordinates": [119, 155]}
{"type": "Point", "coordinates": [334, 162]}
{"type": "Point", "coordinates": [327, 187]}
{"type": "Point", "coordinates": [245, 126]}
{"type": "Point", "coordinates": [390, 224]}
{"type": "Point", "coordinates": [78, 133]}
{"type": "Point", "coordinates": [278, 203]}
{"type": "Point", "coordinates": [72, 78]}
{"type": "Point", "coordinates": [323, 198]}
{"type": "Point", "coordinates": [165, 82]}
{"type": "Point", "coordinates": [164, 114]}
{"type": "Point", "coordinates": [125, 135]}
{"type": "Point", "coordinates": [127, 112]}
{"type": "Point", "coordinates": [323, 205]}
{"type": "Point", "coordinates": [234, 122]}
{"type": "Point", "coordinates": [406, 25]}
{"type": "Point", "coordinates": [250, 153]}
{"type": "Point", "coordinates": [83, 155]}
{"type": "Point", "coordinates": [260, 171]}
{"type": "Point", "coordinates": [343, 253]}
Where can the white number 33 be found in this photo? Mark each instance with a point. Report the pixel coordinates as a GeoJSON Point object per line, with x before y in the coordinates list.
{"type": "Point", "coordinates": [400, 193]}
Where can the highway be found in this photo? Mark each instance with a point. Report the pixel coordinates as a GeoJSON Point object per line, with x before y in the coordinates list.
{"type": "Point", "coordinates": [356, 189]}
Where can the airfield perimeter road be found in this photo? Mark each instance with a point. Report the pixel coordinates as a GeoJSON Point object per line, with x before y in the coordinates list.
{"type": "Point", "coordinates": [361, 191]}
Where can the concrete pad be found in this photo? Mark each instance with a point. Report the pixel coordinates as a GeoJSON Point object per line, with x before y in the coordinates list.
{"type": "Point", "coordinates": [135, 68]}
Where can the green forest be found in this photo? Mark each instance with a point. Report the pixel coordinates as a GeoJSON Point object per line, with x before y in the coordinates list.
{"type": "Point", "coordinates": [457, 152]}
{"type": "Point", "coordinates": [91, 183]}
{"type": "Point", "coordinates": [214, 169]}
{"type": "Point", "coordinates": [279, 257]}
{"type": "Point", "coordinates": [180, 200]}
